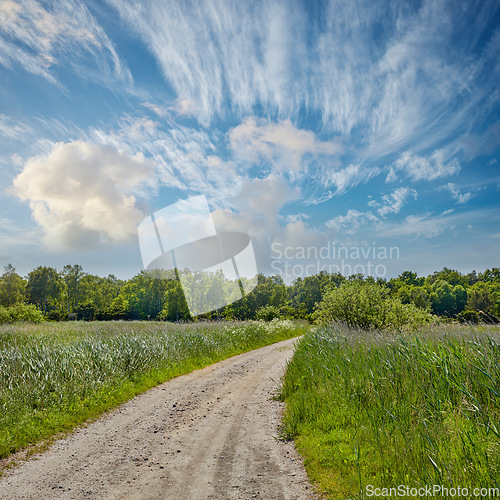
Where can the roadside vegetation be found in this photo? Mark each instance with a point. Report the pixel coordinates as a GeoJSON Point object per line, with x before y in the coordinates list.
{"type": "Point", "coordinates": [374, 407]}
{"type": "Point", "coordinates": [54, 376]}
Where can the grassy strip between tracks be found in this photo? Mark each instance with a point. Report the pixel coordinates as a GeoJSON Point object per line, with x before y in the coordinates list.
{"type": "Point", "coordinates": [54, 376]}
{"type": "Point", "coordinates": [372, 410]}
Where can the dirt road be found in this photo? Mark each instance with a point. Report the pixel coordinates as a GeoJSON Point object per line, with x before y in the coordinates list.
{"type": "Point", "coordinates": [206, 435]}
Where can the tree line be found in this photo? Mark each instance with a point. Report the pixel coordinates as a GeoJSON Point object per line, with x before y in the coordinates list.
{"type": "Point", "coordinates": [74, 294]}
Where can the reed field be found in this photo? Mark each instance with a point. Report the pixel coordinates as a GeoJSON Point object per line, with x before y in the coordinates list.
{"type": "Point", "coordinates": [54, 376]}
{"type": "Point", "coordinates": [378, 410]}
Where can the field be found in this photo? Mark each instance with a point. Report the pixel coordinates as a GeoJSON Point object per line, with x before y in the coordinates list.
{"type": "Point", "coordinates": [54, 376]}
{"type": "Point", "coordinates": [372, 410]}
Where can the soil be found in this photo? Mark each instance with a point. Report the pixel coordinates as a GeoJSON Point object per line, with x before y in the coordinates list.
{"type": "Point", "coordinates": [211, 434]}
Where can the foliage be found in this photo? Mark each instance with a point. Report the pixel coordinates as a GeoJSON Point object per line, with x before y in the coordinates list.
{"type": "Point", "coordinates": [20, 312]}
{"type": "Point", "coordinates": [44, 287]}
{"type": "Point", "coordinates": [368, 306]}
{"type": "Point", "coordinates": [55, 375]}
{"type": "Point", "coordinates": [12, 287]}
{"type": "Point", "coordinates": [62, 295]}
{"type": "Point", "coordinates": [381, 410]}
{"type": "Point", "coordinates": [268, 313]}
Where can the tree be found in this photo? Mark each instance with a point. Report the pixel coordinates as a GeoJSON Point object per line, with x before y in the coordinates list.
{"type": "Point", "coordinates": [480, 297]}
{"type": "Point", "coordinates": [44, 287]}
{"type": "Point", "coordinates": [447, 300]}
{"type": "Point", "coordinates": [72, 277]}
{"type": "Point", "coordinates": [451, 276]}
{"type": "Point", "coordinates": [12, 287]}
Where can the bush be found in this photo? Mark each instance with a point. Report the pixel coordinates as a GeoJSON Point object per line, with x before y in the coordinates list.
{"type": "Point", "coordinates": [368, 306]}
{"type": "Point", "coordinates": [20, 312]}
{"type": "Point", "coordinates": [268, 313]}
{"type": "Point", "coordinates": [475, 317]}
{"type": "Point", "coordinates": [471, 317]}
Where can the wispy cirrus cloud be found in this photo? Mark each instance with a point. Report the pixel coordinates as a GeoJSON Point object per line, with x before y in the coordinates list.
{"type": "Point", "coordinates": [39, 36]}
{"type": "Point", "coordinates": [352, 221]}
{"type": "Point", "coordinates": [400, 75]}
{"type": "Point", "coordinates": [393, 202]}
{"type": "Point", "coordinates": [456, 193]}
{"type": "Point", "coordinates": [11, 129]}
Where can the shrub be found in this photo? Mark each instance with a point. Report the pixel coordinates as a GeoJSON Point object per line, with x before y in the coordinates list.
{"type": "Point", "coordinates": [268, 313]}
{"type": "Point", "coordinates": [471, 317]}
{"type": "Point", "coordinates": [368, 306]}
{"type": "Point", "coordinates": [20, 312]}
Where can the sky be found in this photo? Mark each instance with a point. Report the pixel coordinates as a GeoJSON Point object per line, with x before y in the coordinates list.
{"type": "Point", "coordinates": [351, 136]}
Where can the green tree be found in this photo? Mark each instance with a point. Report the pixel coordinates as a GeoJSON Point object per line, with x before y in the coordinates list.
{"type": "Point", "coordinates": [12, 287]}
{"type": "Point", "coordinates": [451, 276]}
{"type": "Point", "coordinates": [480, 297]}
{"type": "Point", "coordinates": [447, 300]}
{"type": "Point", "coordinates": [44, 287]}
{"type": "Point", "coordinates": [72, 277]}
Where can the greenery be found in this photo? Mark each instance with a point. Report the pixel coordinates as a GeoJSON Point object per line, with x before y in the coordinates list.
{"type": "Point", "coordinates": [54, 376]}
{"type": "Point", "coordinates": [20, 312]}
{"type": "Point", "coordinates": [268, 313]}
{"type": "Point", "coordinates": [368, 305]}
{"type": "Point", "coordinates": [382, 409]}
{"type": "Point", "coordinates": [74, 294]}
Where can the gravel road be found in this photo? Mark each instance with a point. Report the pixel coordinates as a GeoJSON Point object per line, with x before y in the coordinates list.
{"type": "Point", "coordinates": [210, 434]}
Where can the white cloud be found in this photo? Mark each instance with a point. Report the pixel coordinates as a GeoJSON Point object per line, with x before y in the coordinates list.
{"type": "Point", "coordinates": [257, 204]}
{"type": "Point", "coordinates": [352, 221]}
{"type": "Point", "coordinates": [425, 225]}
{"type": "Point", "coordinates": [401, 74]}
{"type": "Point", "coordinates": [40, 37]}
{"type": "Point", "coordinates": [281, 144]}
{"type": "Point", "coordinates": [82, 194]}
{"type": "Point", "coordinates": [456, 194]}
{"type": "Point", "coordinates": [348, 177]}
{"type": "Point", "coordinates": [185, 107]}
{"type": "Point", "coordinates": [393, 202]}
{"type": "Point", "coordinates": [217, 53]}
{"type": "Point", "coordinates": [11, 129]}
{"type": "Point", "coordinates": [264, 196]}
{"type": "Point", "coordinates": [181, 107]}
{"type": "Point", "coordinates": [421, 168]}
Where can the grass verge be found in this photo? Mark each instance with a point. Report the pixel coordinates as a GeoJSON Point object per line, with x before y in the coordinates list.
{"type": "Point", "coordinates": [370, 411]}
{"type": "Point", "coordinates": [54, 376]}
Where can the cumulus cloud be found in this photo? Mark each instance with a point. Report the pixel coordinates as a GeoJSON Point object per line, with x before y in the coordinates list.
{"type": "Point", "coordinates": [83, 194]}
{"type": "Point", "coordinates": [281, 143]}
{"type": "Point", "coordinates": [354, 220]}
{"type": "Point", "coordinates": [265, 196]}
{"type": "Point", "coordinates": [257, 204]}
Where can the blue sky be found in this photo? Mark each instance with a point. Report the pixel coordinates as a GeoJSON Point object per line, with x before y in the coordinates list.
{"type": "Point", "coordinates": [362, 124]}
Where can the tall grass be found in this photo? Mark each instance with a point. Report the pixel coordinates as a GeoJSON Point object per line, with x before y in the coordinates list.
{"type": "Point", "coordinates": [385, 410]}
{"type": "Point", "coordinates": [55, 375]}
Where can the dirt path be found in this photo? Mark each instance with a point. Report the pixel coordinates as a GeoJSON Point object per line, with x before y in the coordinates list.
{"type": "Point", "coordinates": [206, 435]}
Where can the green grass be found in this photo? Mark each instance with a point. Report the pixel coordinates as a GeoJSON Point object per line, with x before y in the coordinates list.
{"type": "Point", "coordinates": [385, 410]}
{"type": "Point", "coordinates": [54, 376]}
